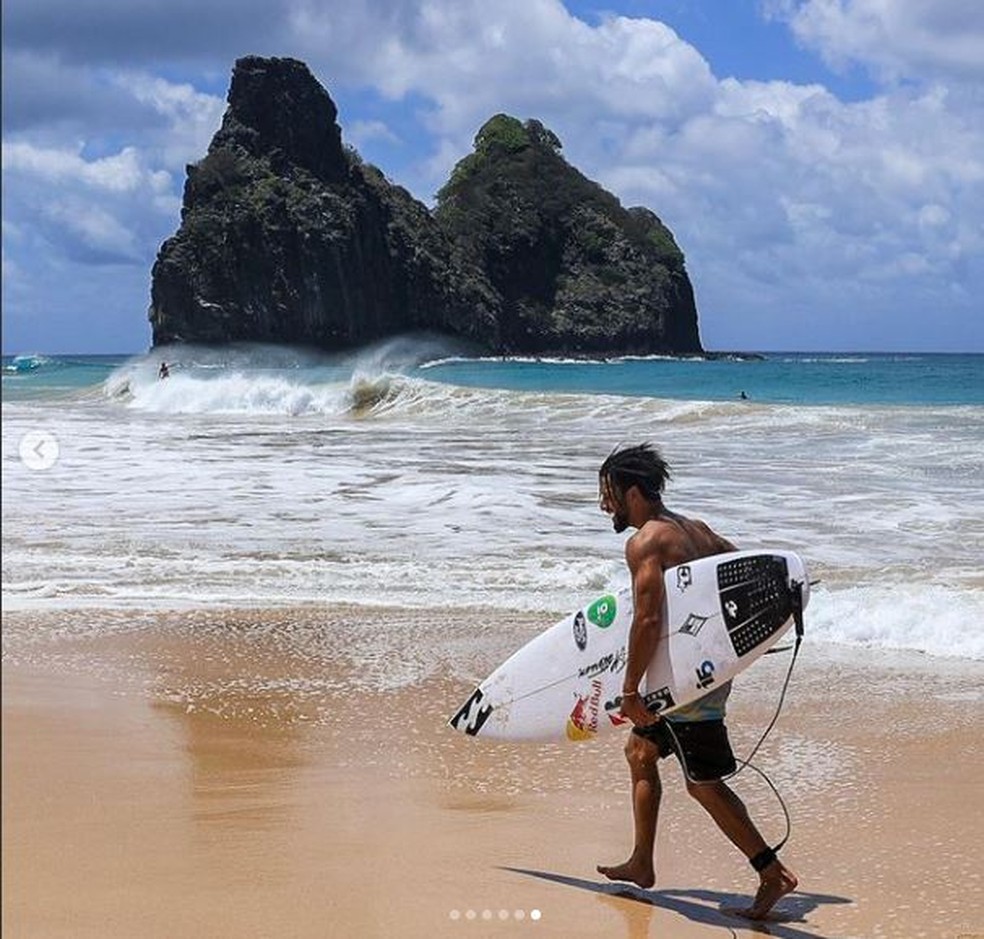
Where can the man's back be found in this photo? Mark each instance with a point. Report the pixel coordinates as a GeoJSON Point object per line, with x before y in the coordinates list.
{"type": "Point", "coordinates": [676, 539]}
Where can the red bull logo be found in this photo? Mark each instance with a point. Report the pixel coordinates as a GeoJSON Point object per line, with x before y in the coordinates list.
{"type": "Point", "coordinates": [582, 724]}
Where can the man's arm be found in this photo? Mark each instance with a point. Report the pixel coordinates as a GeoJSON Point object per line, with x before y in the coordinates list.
{"type": "Point", "coordinates": [644, 557]}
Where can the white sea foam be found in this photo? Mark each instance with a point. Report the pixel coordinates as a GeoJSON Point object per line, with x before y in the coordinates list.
{"type": "Point", "coordinates": [934, 619]}
{"type": "Point", "coordinates": [327, 481]}
{"type": "Point", "coordinates": [831, 359]}
{"type": "Point", "coordinates": [236, 394]}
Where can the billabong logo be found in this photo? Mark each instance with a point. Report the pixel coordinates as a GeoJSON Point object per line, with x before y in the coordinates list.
{"type": "Point", "coordinates": [705, 674]}
{"type": "Point", "coordinates": [684, 577]}
{"type": "Point", "coordinates": [472, 715]}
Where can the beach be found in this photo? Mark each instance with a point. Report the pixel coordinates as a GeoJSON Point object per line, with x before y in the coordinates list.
{"type": "Point", "coordinates": [239, 606]}
{"type": "Point", "coordinates": [179, 778]}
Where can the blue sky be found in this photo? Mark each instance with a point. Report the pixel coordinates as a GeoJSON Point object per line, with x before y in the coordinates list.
{"type": "Point", "coordinates": [821, 162]}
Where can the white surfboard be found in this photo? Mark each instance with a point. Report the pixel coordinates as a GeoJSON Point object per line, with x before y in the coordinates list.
{"type": "Point", "coordinates": [721, 613]}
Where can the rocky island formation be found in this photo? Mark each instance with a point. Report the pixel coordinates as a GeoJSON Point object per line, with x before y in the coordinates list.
{"type": "Point", "coordinates": [288, 237]}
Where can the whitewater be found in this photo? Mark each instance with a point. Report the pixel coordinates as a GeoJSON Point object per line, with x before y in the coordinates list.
{"type": "Point", "coordinates": [407, 476]}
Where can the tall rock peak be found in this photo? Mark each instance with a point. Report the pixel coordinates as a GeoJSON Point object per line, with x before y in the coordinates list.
{"type": "Point", "coordinates": [279, 111]}
{"type": "Point", "coordinates": [287, 236]}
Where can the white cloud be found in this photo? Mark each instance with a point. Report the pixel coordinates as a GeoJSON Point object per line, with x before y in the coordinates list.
{"type": "Point", "coordinates": [362, 132]}
{"type": "Point", "coordinates": [191, 118]}
{"type": "Point", "coordinates": [470, 56]}
{"type": "Point", "coordinates": [12, 272]}
{"type": "Point", "coordinates": [102, 208]}
{"type": "Point", "coordinates": [97, 230]}
{"type": "Point", "coordinates": [896, 39]}
{"type": "Point", "coordinates": [118, 173]}
{"type": "Point", "coordinates": [785, 197]}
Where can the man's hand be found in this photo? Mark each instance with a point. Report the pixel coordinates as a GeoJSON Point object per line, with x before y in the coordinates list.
{"type": "Point", "coordinates": [637, 712]}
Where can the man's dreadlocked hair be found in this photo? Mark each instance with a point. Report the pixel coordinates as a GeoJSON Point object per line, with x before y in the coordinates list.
{"type": "Point", "coordinates": [641, 466]}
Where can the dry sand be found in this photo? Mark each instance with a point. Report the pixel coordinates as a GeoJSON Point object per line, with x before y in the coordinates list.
{"type": "Point", "coordinates": [161, 785]}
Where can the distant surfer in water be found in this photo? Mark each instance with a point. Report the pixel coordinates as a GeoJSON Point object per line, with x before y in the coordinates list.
{"type": "Point", "coordinates": [631, 485]}
{"type": "Point", "coordinates": [163, 372]}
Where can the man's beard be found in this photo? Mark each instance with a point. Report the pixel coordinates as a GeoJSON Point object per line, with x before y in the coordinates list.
{"type": "Point", "coordinates": [619, 523]}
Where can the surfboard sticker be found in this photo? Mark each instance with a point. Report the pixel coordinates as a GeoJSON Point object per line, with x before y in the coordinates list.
{"type": "Point", "coordinates": [613, 710]}
{"type": "Point", "coordinates": [658, 701]}
{"type": "Point", "coordinates": [472, 715]}
{"type": "Point", "coordinates": [582, 723]}
{"type": "Point", "coordinates": [602, 611]}
{"type": "Point", "coordinates": [693, 624]}
{"type": "Point", "coordinates": [684, 578]}
{"type": "Point", "coordinates": [580, 631]}
{"type": "Point", "coordinates": [705, 674]}
{"type": "Point", "coordinates": [613, 662]}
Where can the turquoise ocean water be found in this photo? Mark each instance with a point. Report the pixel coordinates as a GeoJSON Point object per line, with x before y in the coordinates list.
{"type": "Point", "coordinates": [406, 476]}
{"type": "Point", "coordinates": [808, 378]}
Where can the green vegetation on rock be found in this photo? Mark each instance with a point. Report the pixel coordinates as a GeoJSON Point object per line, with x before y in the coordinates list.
{"type": "Point", "coordinates": [578, 273]}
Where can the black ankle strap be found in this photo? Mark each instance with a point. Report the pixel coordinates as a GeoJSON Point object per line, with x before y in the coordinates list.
{"type": "Point", "coordinates": [763, 859]}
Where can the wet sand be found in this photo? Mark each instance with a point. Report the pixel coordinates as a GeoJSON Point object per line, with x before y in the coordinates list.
{"type": "Point", "coordinates": [163, 782]}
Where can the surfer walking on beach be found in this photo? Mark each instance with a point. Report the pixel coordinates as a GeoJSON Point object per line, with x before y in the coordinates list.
{"type": "Point", "coordinates": [631, 482]}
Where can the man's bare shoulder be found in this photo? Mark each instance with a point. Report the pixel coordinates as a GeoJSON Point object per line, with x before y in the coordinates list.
{"type": "Point", "coordinates": [677, 539]}
{"type": "Point", "coordinates": [711, 541]}
{"type": "Point", "coordinates": [657, 539]}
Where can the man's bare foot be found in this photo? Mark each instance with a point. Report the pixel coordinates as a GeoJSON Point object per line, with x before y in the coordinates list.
{"type": "Point", "coordinates": [777, 881]}
{"type": "Point", "coordinates": [637, 872]}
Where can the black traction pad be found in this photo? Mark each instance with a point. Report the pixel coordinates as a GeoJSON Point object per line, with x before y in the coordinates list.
{"type": "Point", "coordinates": [756, 599]}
